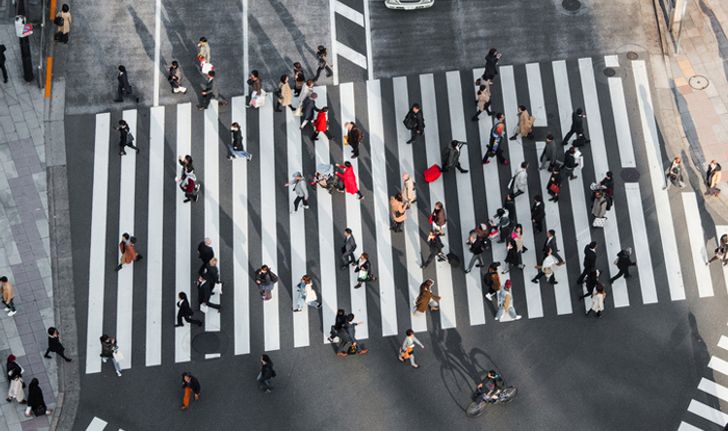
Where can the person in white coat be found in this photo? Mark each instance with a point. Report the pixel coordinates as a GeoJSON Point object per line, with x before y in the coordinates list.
{"type": "Point", "coordinates": [305, 295]}
{"type": "Point", "coordinates": [598, 296]}
{"type": "Point", "coordinates": [519, 182]}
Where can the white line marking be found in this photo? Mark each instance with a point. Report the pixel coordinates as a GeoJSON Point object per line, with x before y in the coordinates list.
{"type": "Point", "coordinates": [157, 47]}
{"type": "Point", "coordinates": [212, 355]}
{"type": "Point", "coordinates": [125, 286]}
{"type": "Point", "coordinates": [349, 13]}
{"type": "Point", "coordinates": [643, 256]}
{"type": "Point", "coordinates": [155, 245]}
{"type": "Point", "coordinates": [714, 389]}
{"type": "Point", "coordinates": [380, 194]}
{"type": "Point", "coordinates": [621, 119]}
{"type": "Point", "coordinates": [662, 202]}
{"type": "Point", "coordinates": [246, 55]}
{"type": "Point", "coordinates": [368, 35]}
{"type": "Point", "coordinates": [96, 423]}
{"type": "Point", "coordinates": [97, 249]}
{"type": "Point", "coordinates": [535, 90]}
{"type": "Point", "coordinates": [334, 52]}
{"type": "Point", "coordinates": [721, 230]}
{"type": "Point", "coordinates": [684, 426]}
{"type": "Point", "coordinates": [413, 254]}
{"type": "Point", "coordinates": [183, 236]}
{"type": "Point", "coordinates": [241, 276]}
{"type": "Point", "coordinates": [351, 55]}
{"type": "Point", "coordinates": [707, 412]}
{"type": "Point", "coordinates": [611, 60]}
{"type": "Point", "coordinates": [697, 245]}
{"type": "Point", "coordinates": [718, 365]}
{"type": "Point", "coordinates": [211, 193]}
{"type": "Point", "coordinates": [723, 343]}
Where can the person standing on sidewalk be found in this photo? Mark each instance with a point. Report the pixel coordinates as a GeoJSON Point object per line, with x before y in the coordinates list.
{"type": "Point", "coordinates": [185, 311]}
{"type": "Point", "coordinates": [300, 189]}
{"type": "Point", "coordinates": [713, 177]}
{"type": "Point", "coordinates": [623, 263]}
{"type": "Point", "coordinates": [482, 99]}
{"type": "Point", "coordinates": [123, 87]}
{"type": "Point", "coordinates": [266, 374]}
{"type": "Point", "coordinates": [36, 403]}
{"type": "Point", "coordinates": [305, 294]}
{"type": "Point", "coordinates": [674, 175]}
{"type": "Point", "coordinates": [409, 193]}
{"type": "Point", "coordinates": [590, 261]}
{"type": "Point", "coordinates": [284, 95]}
{"type": "Point", "coordinates": [126, 139]}
{"type": "Point", "coordinates": [54, 344]}
{"type": "Point", "coordinates": [265, 279]}
{"type": "Point", "coordinates": [538, 213]}
{"type": "Point", "coordinates": [64, 23]}
{"type": "Point", "coordinates": [191, 386]}
{"type": "Point", "coordinates": [577, 126]}
{"type": "Point", "coordinates": [349, 178]}
{"type": "Point", "coordinates": [505, 303]}
{"type": "Point", "coordinates": [347, 249]}
{"type": "Point", "coordinates": [525, 124]}
{"type": "Point", "coordinates": [174, 77]}
{"type": "Point", "coordinates": [322, 57]}
{"type": "Point", "coordinates": [397, 211]}
{"type": "Point", "coordinates": [435, 245]}
{"type": "Point", "coordinates": [8, 292]}
{"type": "Point", "coordinates": [14, 374]}
{"type": "Point", "coordinates": [363, 269]}
{"type": "Point", "coordinates": [127, 247]}
{"type": "Point", "coordinates": [451, 158]}
{"type": "Point", "coordinates": [414, 121]}
{"type": "Point", "coordinates": [407, 351]}
{"type": "Point", "coordinates": [109, 350]}
{"type": "Point", "coordinates": [2, 63]}
{"type": "Point", "coordinates": [427, 299]}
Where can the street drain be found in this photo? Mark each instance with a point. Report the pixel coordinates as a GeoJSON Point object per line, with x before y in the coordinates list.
{"type": "Point", "coordinates": [571, 5]}
{"type": "Point", "coordinates": [609, 72]}
{"type": "Point", "coordinates": [698, 82]}
{"type": "Point", "coordinates": [632, 55]}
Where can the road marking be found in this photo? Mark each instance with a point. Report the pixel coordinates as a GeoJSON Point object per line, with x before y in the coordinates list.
{"type": "Point", "coordinates": [718, 365]}
{"type": "Point", "coordinates": [96, 424]}
{"type": "Point", "coordinates": [97, 248]}
{"type": "Point", "coordinates": [351, 55]}
{"type": "Point", "coordinates": [125, 285]}
{"type": "Point", "coordinates": [368, 36]}
{"type": "Point", "coordinates": [334, 47]}
{"type": "Point", "coordinates": [697, 245]}
{"type": "Point", "coordinates": [380, 194]}
{"type": "Point", "coordinates": [707, 412]}
{"type": "Point", "coordinates": [723, 343]}
{"type": "Point", "coordinates": [476, 307]}
{"type": "Point", "coordinates": [157, 47]}
{"type": "Point", "coordinates": [662, 202]}
{"type": "Point", "coordinates": [601, 166]}
{"type": "Point", "coordinates": [155, 245]}
{"type": "Point", "coordinates": [241, 276]}
{"type": "Point", "coordinates": [212, 355]}
{"type": "Point", "coordinates": [211, 193]}
{"type": "Point", "coordinates": [721, 230]}
{"type": "Point", "coordinates": [684, 426]}
{"type": "Point", "coordinates": [621, 119]}
{"type": "Point", "coordinates": [535, 90]}
{"type": "Point", "coordinates": [714, 389]}
{"type": "Point", "coordinates": [413, 253]}
{"type": "Point", "coordinates": [641, 243]}
{"type": "Point", "coordinates": [246, 66]}
{"type": "Point", "coordinates": [349, 13]}
{"type": "Point", "coordinates": [611, 61]}
{"type": "Point", "coordinates": [523, 208]}
{"type": "Point", "coordinates": [183, 235]}
{"type": "Point", "coordinates": [269, 240]}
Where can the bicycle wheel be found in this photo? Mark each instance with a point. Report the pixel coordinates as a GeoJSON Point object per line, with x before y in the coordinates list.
{"type": "Point", "coordinates": [475, 408]}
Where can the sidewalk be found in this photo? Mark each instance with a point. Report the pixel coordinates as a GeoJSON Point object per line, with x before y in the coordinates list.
{"type": "Point", "coordinates": [25, 252]}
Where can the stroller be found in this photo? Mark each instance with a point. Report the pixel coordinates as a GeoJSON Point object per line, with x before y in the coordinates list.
{"type": "Point", "coordinates": [326, 177]}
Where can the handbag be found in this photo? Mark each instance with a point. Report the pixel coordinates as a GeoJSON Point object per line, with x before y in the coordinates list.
{"type": "Point", "coordinates": [59, 21]}
{"type": "Point", "coordinates": [599, 222]}
{"type": "Point", "coordinates": [554, 188]}
{"type": "Point", "coordinates": [118, 355]}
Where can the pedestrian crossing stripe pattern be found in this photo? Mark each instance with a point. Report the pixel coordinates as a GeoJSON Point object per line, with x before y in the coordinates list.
{"type": "Point", "coordinates": [247, 213]}
{"type": "Point", "coordinates": [712, 392]}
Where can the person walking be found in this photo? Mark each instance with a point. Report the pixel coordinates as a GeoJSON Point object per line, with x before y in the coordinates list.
{"type": "Point", "coordinates": [190, 386]}
{"type": "Point", "coordinates": [538, 213]}
{"type": "Point", "coordinates": [54, 344]}
{"type": "Point", "coordinates": [126, 139]}
{"type": "Point", "coordinates": [109, 350]}
{"type": "Point", "coordinates": [123, 87]}
{"type": "Point", "coordinates": [438, 219]}
{"type": "Point", "coordinates": [205, 286]}
{"type": "Point", "coordinates": [577, 126]}
{"type": "Point", "coordinates": [512, 257]}
{"type": "Point", "coordinates": [451, 157]}
{"type": "Point", "coordinates": [205, 253]}
{"type": "Point", "coordinates": [2, 63]}
{"type": "Point", "coordinates": [477, 245]}
{"type": "Point", "coordinates": [590, 261]}
{"type": "Point", "coordinates": [491, 279]}
{"type": "Point", "coordinates": [255, 89]}
{"type": "Point", "coordinates": [414, 121]}
{"type": "Point", "coordinates": [673, 174]}
{"type": "Point", "coordinates": [185, 311]}
{"type": "Point", "coordinates": [266, 373]}
{"type": "Point", "coordinates": [284, 95]}
{"type": "Point", "coordinates": [598, 297]}
{"type": "Point", "coordinates": [712, 166]}
{"type": "Point", "coordinates": [235, 148]}
{"type": "Point", "coordinates": [525, 124]}
{"type": "Point", "coordinates": [187, 166]}
{"type": "Point", "coordinates": [190, 187]}
{"type": "Point", "coordinates": [347, 249]}
{"type": "Point", "coordinates": [299, 79]}
{"type": "Point", "coordinates": [495, 145]}
{"type": "Point", "coordinates": [353, 138]}
{"type": "Point", "coordinates": [322, 58]}
{"type": "Point", "coordinates": [174, 77]}
{"type": "Point", "coordinates": [519, 182]}
{"type": "Point", "coordinates": [505, 303]}
{"type": "Point", "coordinates": [203, 51]}
{"type": "Point", "coordinates": [427, 299]}
{"type": "Point", "coordinates": [623, 262]}
{"type": "Point", "coordinates": [502, 220]}
{"type": "Point", "coordinates": [409, 192]}
{"type": "Point", "coordinates": [127, 248]}
{"type": "Point", "coordinates": [36, 403]}
{"type": "Point", "coordinates": [551, 245]}
{"type": "Point", "coordinates": [482, 99]}
{"type": "Point", "coordinates": [491, 64]}
{"type": "Point", "coordinates": [553, 187]}
{"type": "Point", "coordinates": [349, 178]}
{"type": "Point", "coordinates": [8, 296]}
{"type": "Point", "coordinates": [363, 270]}
{"type": "Point", "coordinates": [546, 269]}
{"type": "Point", "coordinates": [551, 154]}
{"type": "Point", "coordinates": [308, 110]}
{"type": "Point", "coordinates": [321, 124]}
{"type": "Point", "coordinates": [517, 236]}
{"type": "Point", "coordinates": [720, 253]}
{"type": "Point", "coordinates": [64, 23]}
{"type": "Point", "coordinates": [14, 374]}
{"type": "Point", "coordinates": [397, 212]}
{"type": "Point", "coordinates": [207, 91]}
{"type": "Point", "coordinates": [590, 282]}
{"type": "Point", "coordinates": [348, 345]}
{"type": "Point", "coordinates": [407, 351]}
{"type": "Point", "coordinates": [435, 245]}
{"type": "Point", "coordinates": [300, 189]}
{"type": "Point", "coordinates": [306, 91]}
{"type": "Point", "coordinates": [305, 294]}
{"type": "Point", "coordinates": [265, 279]}
{"type": "Point", "coordinates": [599, 206]}
{"type": "Point", "coordinates": [714, 176]}
{"type": "Point", "coordinates": [571, 162]}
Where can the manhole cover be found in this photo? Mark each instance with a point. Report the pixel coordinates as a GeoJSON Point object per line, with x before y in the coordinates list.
{"type": "Point", "coordinates": [632, 55]}
{"type": "Point", "coordinates": [609, 72]}
{"type": "Point", "coordinates": [630, 175]}
{"type": "Point", "coordinates": [571, 5]}
{"type": "Point", "coordinates": [209, 342]}
{"type": "Point", "coordinates": [698, 82]}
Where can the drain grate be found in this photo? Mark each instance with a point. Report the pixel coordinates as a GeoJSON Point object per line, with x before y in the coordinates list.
{"type": "Point", "coordinates": [571, 5]}
{"type": "Point", "coordinates": [698, 82]}
{"type": "Point", "coordinates": [632, 55]}
{"type": "Point", "coordinates": [609, 72]}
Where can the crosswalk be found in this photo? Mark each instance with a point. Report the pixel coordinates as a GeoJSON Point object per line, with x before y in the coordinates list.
{"type": "Point", "coordinates": [247, 213]}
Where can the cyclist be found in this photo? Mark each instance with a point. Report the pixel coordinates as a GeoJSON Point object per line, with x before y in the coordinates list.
{"type": "Point", "coordinates": [491, 386]}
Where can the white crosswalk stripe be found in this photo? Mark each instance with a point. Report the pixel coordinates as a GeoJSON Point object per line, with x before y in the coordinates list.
{"type": "Point", "coordinates": [230, 206]}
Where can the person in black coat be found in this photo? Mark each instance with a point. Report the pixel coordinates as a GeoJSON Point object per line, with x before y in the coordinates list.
{"type": "Point", "coordinates": [623, 264]}
{"type": "Point", "coordinates": [537, 213]}
{"type": "Point", "coordinates": [191, 386]}
{"type": "Point", "coordinates": [491, 64]}
{"type": "Point", "coordinates": [126, 139]}
{"type": "Point", "coordinates": [590, 261]}
{"type": "Point", "coordinates": [36, 403]}
{"type": "Point", "coordinates": [436, 246]}
{"type": "Point", "coordinates": [54, 344]}
{"type": "Point", "coordinates": [590, 281]}
{"type": "Point", "coordinates": [207, 91]}
{"type": "Point", "coordinates": [266, 373]}
{"type": "Point", "coordinates": [414, 121]}
{"type": "Point", "coordinates": [2, 63]}
{"type": "Point", "coordinates": [185, 311]}
{"type": "Point", "coordinates": [205, 252]}
{"type": "Point", "coordinates": [577, 126]}
{"type": "Point", "coordinates": [123, 87]}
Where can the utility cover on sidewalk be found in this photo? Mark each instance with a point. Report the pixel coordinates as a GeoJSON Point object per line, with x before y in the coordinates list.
{"type": "Point", "coordinates": [698, 82]}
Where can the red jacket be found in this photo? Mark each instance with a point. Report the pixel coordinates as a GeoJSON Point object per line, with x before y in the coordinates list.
{"type": "Point", "coordinates": [189, 185]}
{"type": "Point", "coordinates": [321, 123]}
{"type": "Point", "coordinates": [349, 179]}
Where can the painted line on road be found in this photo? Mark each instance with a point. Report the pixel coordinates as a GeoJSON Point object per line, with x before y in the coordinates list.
{"type": "Point", "coordinates": [611, 61]}
{"type": "Point", "coordinates": [697, 245]}
{"type": "Point", "coordinates": [684, 426]}
{"type": "Point", "coordinates": [643, 255]}
{"type": "Point", "coordinates": [96, 425]}
{"type": "Point", "coordinates": [721, 230]}
{"type": "Point", "coordinates": [535, 90]}
{"type": "Point", "coordinates": [718, 365]}
{"type": "Point", "coordinates": [714, 389]}
{"type": "Point", "coordinates": [349, 13]}
{"type": "Point", "coordinates": [246, 65]}
{"type": "Point", "coordinates": [723, 342]}
{"type": "Point", "coordinates": [368, 36]}
{"type": "Point", "coordinates": [351, 55]}
{"type": "Point", "coordinates": [241, 276]}
{"type": "Point", "coordinates": [97, 249]}
{"type": "Point", "coordinates": [621, 119]}
{"type": "Point", "coordinates": [707, 412]}
{"type": "Point", "coordinates": [334, 47]}
{"type": "Point", "coordinates": [183, 235]}
{"type": "Point", "coordinates": [157, 47]}
{"type": "Point", "coordinates": [211, 193]}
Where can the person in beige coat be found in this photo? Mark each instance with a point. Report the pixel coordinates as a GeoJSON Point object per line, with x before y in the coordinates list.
{"type": "Point", "coordinates": [482, 99]}
{"type": "Point", "coordinates": [714, 177]}
{"type": "Point", "coordinates": [65, 28]}
{"type": "Point", "coordinates": [525, 124]}
{"type": "Point", "coordinates": [427, 298]}
{"type": "Point", "coordinates": [397, 211]}
{"type": "Point", "coordinates": [8, 295]}
{"type": "Point", "coordinates": [203, 51]}
{"type": "Point", "coordinates": [408, 190]}
{"type": "Point", "coordinates": [284, 95]}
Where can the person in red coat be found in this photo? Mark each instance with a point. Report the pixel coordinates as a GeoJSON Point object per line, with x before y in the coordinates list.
{"type": "Point", "coordinates": [188, 185]}
{"type": "Point", "coordinates": [349, 178]}
{"type": "Point", "coordinates": [321, 124]}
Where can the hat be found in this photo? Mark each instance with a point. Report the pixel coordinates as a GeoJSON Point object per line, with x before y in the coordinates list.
{"type": "Point", "coordinates": [11, 358]}
{"type": "Point", "coordinates": [507, 285]}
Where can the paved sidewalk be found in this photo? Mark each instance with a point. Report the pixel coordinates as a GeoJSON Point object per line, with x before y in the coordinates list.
{"type": "Point", "coordinates": [24, 256]}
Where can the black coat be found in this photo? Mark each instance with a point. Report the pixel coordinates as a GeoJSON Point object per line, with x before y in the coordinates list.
{"type": "Point", "coordinates": [491, 66]}
{"type": "Point", "coordinates": [577, 122]}
{"type": "Point", "coordinates": [54, 344]}
{"type": "Point", "coordinates": [184, 308]}
{"type": "Point", "coordinates": [415, 121]}
{"type": "Point", "coordinates": [193, 384]}
{"type": "Point", "coordinates": [550, 244]}
{"type": "Point", "coordinates": [124, 82]}
{"type": "Point", "coordinates": [435, 245]}
{"type": "Point", "coordinates": [35, 399]}
{"type": "Point", "coordinates": [537, 211]}
{"type": "Point", "coordinates": [590, 259]}
{"type": "Point", "coordinates": [267, 372]}
{"type": "Point", "coordinates": [205, 252]}
{"type": "Point", "coordinates": [623, 261]}
{"type": "Point", "coordinates": [2, 54]}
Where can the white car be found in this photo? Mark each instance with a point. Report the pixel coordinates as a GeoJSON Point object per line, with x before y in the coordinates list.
{"type": "Point", "coordinates": [408, 4]}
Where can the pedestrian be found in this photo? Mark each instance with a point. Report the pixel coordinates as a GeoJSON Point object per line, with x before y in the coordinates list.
{"type": "Point", "coordinates": [590, 261]}
{"type": "Point", "coordinates": [353, 138]}
{"type": "Point", "coordinates": [590, 282]}
{"type": "Point", "coordinates": [502, 220]}
{"type": "Point", "coordinates": [482, 99]}
{"type": "Point", "coordinates": [321, 124]}
{"type": "Point", "coordinates": [266, 373]}
{"type": "Point", "coordinates": [551, 154]}
{"type": "Point", "coordinates": [720, 253]}
{"type": "Point", "coordinates": [491, 280]}
{"type": "Point", "coordinates": [546, 268]}
{"type": "Point", "coordinates": [347, 249]}
{"type": "Point", "coordinates": [127, 248]}
{"type": "Point", "coordinates": [8, 292]}
{"type": "Point", "coordinates": [512, 257]}
{"type": "Point", "coordinates": [598, 297]}
{"type": "Point", "coordinates": [537, 213]}
{"type": "Point", "coordinates": [363, 269]}
{"type": "Point", "coordinates": [284, 96]}
{"type": "Point", "coordinates": [623, 262]}
{"type": "Point", "coordinates": [409, 192]}
{"type": "Point", "coordinates": [491, 64]}
{"type": "Point", "coordinates": [519, 182]}
{"type": "Point", "coordinates": [517, 236]}
{"type": "Point", "coordinates": [300, 189]}
{"type": "Point", "coordinates": [550, 245]}
{"type": "Point", "coordinates": [123, 87]}
{"type": "Point", "coordinates": [599, 206]}
{"type": "Point", "coordinates": [505, 303]}
{"type": "Point", "coordinates": [305, 294]}
{"type": "Point", "coordinates": [339, 322]}
{"type": "Point", "coordinates": [14, 374]}
{"type": "Point", "coordinates": [427, 299]}
{"type": "Point", "coordinates": [525, 124]}
{"type": "Point", "coordinates": [553, 187]}
{"type": "Point", "coordinates": [709, 171]}
{"type": "Point", "coordinates": [673, 174]}
{"type": "Point", "coordinates": [126, 139]}
{"type": "Point", "coordinates": [407, 351]}
{"type": "Point", "coordinates": [322, 58]}
{"type": "Point", "coordinates": [205, 286]}
{"type": "Point", "coordinates": [2, 63]}
{"type": "Point", "coordinates": [174, 77]}
{"type": "Point", "coordinates": [265, 279]}
{"type": "Point", "coordinates": [191, 386]}
{"type": "Point", "coordinates": [185, 311]}
{"type": "Point", "coordinates": [348, 345]}
{"type": "Point", "coordinates": [36, 403]}
{"type": "Point", "coordinates": [435, 245]}
{"type": "Point", "coordinates": [495, 145]}
{"type": "Point", "coordinates": [451, 156]}
{"type": "Point", "coordinates": [714, 176]}
{"type": "Point", "coordinates": [607, 185]}
{"type": "Point", "coordinates": [570, 162]}
{"type": "Point", "coordinates": [476, 245]}
{"type": "Point", "coordinates": [306, 90]}
{"type": "Point", "coordinates": [577, 126]}
{"type": "Point", "coordinates": [255, 90]}
{"type": "Point", "coordinates": [397, 212]}
{"type": "Point", "coordinates": [414, 121]}
{"type": "Point", "coordinates": [308, 110]}
{"type": "Point", "coordinates": [205, 253]}
{"type": "Point", "coordinates": [235, 148]}
{"type": "Point", "coordinates": [349, 178]}
{"type": "Point", "coordinates": [299, 79]}
{"type": "Point", "coordinates": [190, 187]}
{"type": "Point", "coordinates": [63, 22]}
{"type": "Point", "coordinates": [207, 91]}
{"type": "Point", "coordinates": [438, 219]}
{"type": "Point", "coordinates": [186, 163]}
{"type": "Point", "coordinates": [54, 344]}
{"type": "Point", "coordinates": [203, 51]}
{"type": "Point", "coordinates": [109, 350]}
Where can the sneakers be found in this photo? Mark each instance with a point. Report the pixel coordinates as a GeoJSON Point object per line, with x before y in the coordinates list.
{"type": "Point", "coordinates": [118, 373]}
{"type": "Point", "coordinates": [296, 310]}
{"type": "Point", "coordinates": [489, 296]}
{"type": "Point", "coordinates": [250, 157]}
{"type": "Point", "coordinates": [12, 313]}
{"type": "Point", "coordinates": [517, 317]}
